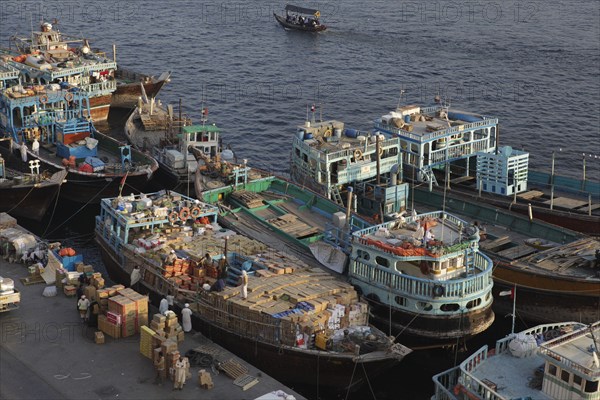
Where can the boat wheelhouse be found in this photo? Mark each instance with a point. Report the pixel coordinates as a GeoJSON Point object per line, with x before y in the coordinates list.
{"type": "Point", "coordinates": [329, 158]}
{"type": "Point", "coordinates": [424, 275]}
{"type": "Point", "coordinates": [433, 137]}
{"type": "Point", "coordinates": [52, 124]}
{"type": "Point", "coordinates": [551, 361]}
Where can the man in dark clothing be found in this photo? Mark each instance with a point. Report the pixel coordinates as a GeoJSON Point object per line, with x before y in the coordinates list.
{"type": "Point", "coordinates": [93, 313]}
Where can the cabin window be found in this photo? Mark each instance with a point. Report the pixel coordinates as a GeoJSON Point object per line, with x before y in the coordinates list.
{"type": "Point", "coordinates": [473, 303]}
{"type": "Point", "coordinates": [382, 261]}
{"type": "Point", "coordinates": [401, 301]}
{"type": "Point", "coordinates": [591, 386]}
{"type": "Point", "coordinates": [450, 307]}
{"type": "Point", "coordinates": [565, 376]}
{"type": "Point", "coordinates": [298, 153]}
{"type": "Point", "coordinates": [577, 380]}
{"type": "Point", "coordinates": [305, 157]}
{"type": "Point", "coordinates": [552, 369]}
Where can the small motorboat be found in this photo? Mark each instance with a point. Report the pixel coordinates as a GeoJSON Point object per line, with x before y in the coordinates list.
{"type": "Point", "coordinates": [300, 19]}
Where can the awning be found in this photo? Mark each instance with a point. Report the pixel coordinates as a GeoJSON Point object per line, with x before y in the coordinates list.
{"type": "Point", "coordinates": [301, 10]}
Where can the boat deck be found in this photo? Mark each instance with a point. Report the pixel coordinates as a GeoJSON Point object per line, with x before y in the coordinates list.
{"type": "Point", "coordinates": [571, 259]}
{"type": "Point", "coordinates": [513, 377]}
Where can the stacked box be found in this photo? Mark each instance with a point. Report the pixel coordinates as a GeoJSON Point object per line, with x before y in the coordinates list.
{"type": "Point", "coordinates": [99, 337]}
{"type": "Point", "coordinates": [103, 294]}
{"type": "Point", "coordinates": [105, 326]}
{"type": "Point", "coordinates": [90, 292]}
{"type": "Point", "coordinates": [99, 283]}
{"type": "Point", "coordinates": [88, 268]}
{"type": "Point", "coordinates": [70, 290]}
{"type": "Point", "coordinates": [126, 308]}
{"type": "Point", "coordinates": [171, 359]}
{"type": "Point", "coordinates": [146, 335]}
{"type": "Point", "coordinates": [59, 276]}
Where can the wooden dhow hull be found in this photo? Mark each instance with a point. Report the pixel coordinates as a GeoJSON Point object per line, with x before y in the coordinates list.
{"type": "Point", "coordinates": [90, 188]}
{"type": "Point", "coordinates": [297, 368]}
{"type": "Point", "coordinates": [546, 298]}
{"type": "Point", "coordinates": [30, 201]}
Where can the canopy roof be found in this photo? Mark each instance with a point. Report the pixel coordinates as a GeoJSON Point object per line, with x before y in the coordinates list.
{"type": "Point", "coordinates": [301, 10]}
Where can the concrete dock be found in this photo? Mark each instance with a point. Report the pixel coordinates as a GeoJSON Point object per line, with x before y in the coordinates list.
{"type": "Point", "coordinates": [47, 353]}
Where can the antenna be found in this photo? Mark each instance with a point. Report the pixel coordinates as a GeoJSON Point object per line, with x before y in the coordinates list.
{"type": "Point", "coordinates": [320, 112]}
{"type": "Point", "coordinates": [400, 98]}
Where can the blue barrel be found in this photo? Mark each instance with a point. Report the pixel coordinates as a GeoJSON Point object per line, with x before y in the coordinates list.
{"type": "Point", "coordinates": [308, 136]}
{"type": "Point", "coordinates": [463, 117]}
{"type": "Point", "coordinates": [407, 119]}
{"type": "Point", "coordinates": [351, 133]}
{"type": "Point", "coordinates": [300, 134]}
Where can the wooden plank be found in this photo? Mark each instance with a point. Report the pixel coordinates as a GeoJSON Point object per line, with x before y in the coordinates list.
{"type": "Point", "coordinates": [567, 202]}
{"type": "Point", "coordinates": [530, 194]}
{"type": "Point", "coordinates": [490, 245]}
{"type": "Point", "coordinates": [517, 252]}
{"type": "Point", "coordinates": [245, 382]}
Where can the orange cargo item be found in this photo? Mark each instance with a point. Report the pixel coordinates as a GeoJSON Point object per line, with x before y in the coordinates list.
{"type": "Point", "coordinates": [85, 167]}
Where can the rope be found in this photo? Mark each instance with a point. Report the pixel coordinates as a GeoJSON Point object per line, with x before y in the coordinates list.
{"type": "Point", "coordinates": [351, 379]}
{"type": "Point", "coordinates": [368, 381]}
{"type": "Point", "coordinates": [407, 325]}
{"type": "Point", "coordinates": [23, 199]}
{"type": "Point", "coordinates": [77, 212]}
{"type": "Point", "coordinates": [53, 210]}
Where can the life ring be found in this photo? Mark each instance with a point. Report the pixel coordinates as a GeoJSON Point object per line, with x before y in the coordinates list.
{"type": "Point", "coordinates": [438, 291]}
{"type": "Point", "coordinates": [327, 133]}
{"type": "Point", "coordinates": [43, 99]}
{"type": "Point", "coordinates": [184, 213]}
{"type": "Point", "coordinates": [68, 96]}
{"type": "Point", "coordinates": [173, 217]}
{"type": "Point", "coordinates": [195, 212]}
{"type": "Point", "coordinates": [380, 151]}
{"type": "Point", "coordinates": [358, 155]}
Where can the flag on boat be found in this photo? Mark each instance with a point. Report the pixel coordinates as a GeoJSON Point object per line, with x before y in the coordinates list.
{"type": "Point", "coordinates": [510, 293]}
{"type": "Point", "coordinates": [205, 111]}
{"type": "Point", "coordinates": [313, 108]}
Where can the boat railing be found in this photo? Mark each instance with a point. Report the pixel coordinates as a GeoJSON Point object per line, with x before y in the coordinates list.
{"type": "Point", "coordinates": [437, 134]}
{"type": "Point", "coordinates": [502, 344]}
{"type": "Point", "coordinates": [366, 168]}
{"type": "Point", "coordinates": [546, 349]}
{"type": "Point", "coordinates": [444, 383]}
{"type": "Point", "coordinates": [423, 288]}
{"type": "Point", "coordinates": [457, 150]}
{"type": "Point", "coordinates": [472, 384]}
{"type": "Point", "coordinates": [50, 117]}
{"type": "Point", "coordinates": [99, 87]}
{"type": "Point", "coordinates": [83, 70]}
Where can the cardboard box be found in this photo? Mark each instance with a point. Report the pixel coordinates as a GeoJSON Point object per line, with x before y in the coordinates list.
{"type": "Point", "coordinates": [90, 293]}
{"type": "Point", "coordinates": [159, 318]}
{"type": "Point", "coordinates": [99, 337]}
{"type": "Point", "coordinates": [99, 283]}
{"type": "Point", "coordinates": [88, 268]}
{"type": "Point", "coordinates": [70, 290]}
{"type": "Point", "coordinates": [171, 322]}
{"type": "Point", "coordinates": [180, 337]}
{"type": "Point", "coordinates": [108, 328]}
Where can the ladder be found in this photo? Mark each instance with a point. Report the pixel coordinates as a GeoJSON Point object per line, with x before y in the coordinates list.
{"type": "Point", "coordinates": [428, 175]}
{"type": "Point", "coordinates": [336, 197]}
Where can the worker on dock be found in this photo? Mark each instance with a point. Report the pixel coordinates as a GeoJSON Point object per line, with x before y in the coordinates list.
{"type": "Point", "coordinates": [164, 305]}
{"type": "Point", "coordinates": [179, 374]}
{"type": "Point", "coordinates": [244, 284]}
{"type": "Point", "coordinates": [83, 305]}
{"type": "Point", "coordinates": [186, 318]}
{"type": "Point", "coordinates": [136, 275]}
{"type": "Point", "coordinates": [159, 366]}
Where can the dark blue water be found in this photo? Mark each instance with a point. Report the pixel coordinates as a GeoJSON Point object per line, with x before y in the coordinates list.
{"type": "Point", "coordinates": [532, 64]}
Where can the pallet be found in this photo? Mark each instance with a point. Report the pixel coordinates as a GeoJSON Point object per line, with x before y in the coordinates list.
{"type": "Point", "coordinates": [32, 280]}
{"type": "Point", "coordinates": [245, 382]}
{"type": "Point", "coordinates": [233, 369]}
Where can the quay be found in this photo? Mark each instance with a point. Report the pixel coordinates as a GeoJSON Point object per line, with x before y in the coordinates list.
{"type": "Point", "coordinates": [48, 353]}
